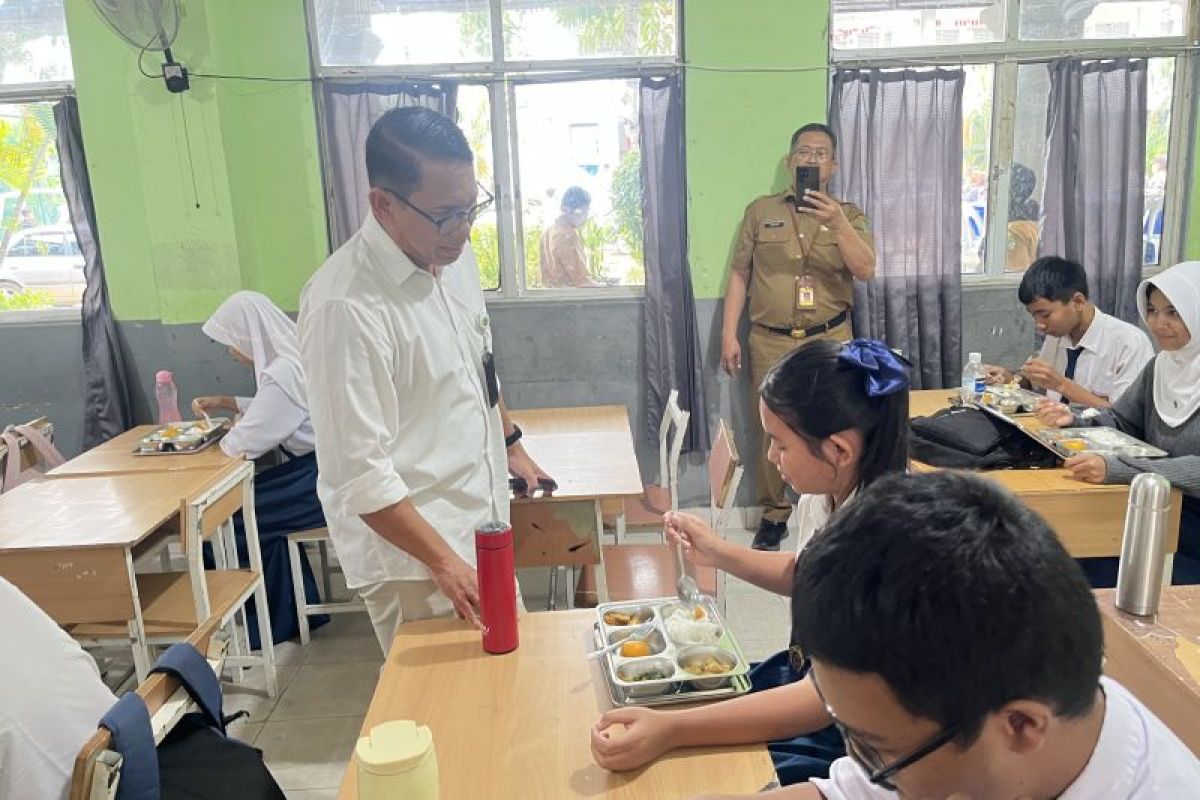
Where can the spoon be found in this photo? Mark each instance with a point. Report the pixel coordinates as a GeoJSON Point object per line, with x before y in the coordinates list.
{"type": "Point", "coordinates": [685, 585]}
{"type": "Point", "coordinates": [633, 633]}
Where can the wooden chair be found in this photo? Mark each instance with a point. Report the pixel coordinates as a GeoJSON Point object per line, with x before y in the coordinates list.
{"type": "Point", "coordinates": [646, 511]}
{"type": "Point", "coordinates": [644, 571]}
{"type": "Point", "coordinates": [97, 768]}
{"type": "Point", "coordinates": [304, 609]}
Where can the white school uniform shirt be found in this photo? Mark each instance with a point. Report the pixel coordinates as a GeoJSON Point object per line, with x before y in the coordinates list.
{"type": "Point", "coordinates": [1114, 353]}
{"type": "Point", "coordinates": [393, 358]}
{"type": "Point", "coordinates": [51, 700]}
{"type": "Point", "coordinates": [269, 419]}
{"type": "Point", "coordinates": [812, 513]}
{"type": "Point", "coordinates": [1136, 758]}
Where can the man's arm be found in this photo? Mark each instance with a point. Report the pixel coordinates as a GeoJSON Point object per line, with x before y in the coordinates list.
{"type": "Point", "coordinates": [520, 463]}
{"type": "Point", "coordinates": [853, 236]}
{"type": "Point", "coordinates": [735, 294]}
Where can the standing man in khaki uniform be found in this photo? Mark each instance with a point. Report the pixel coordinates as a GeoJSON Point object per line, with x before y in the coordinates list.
{"type": "Point", "coordinates": [798, 263]}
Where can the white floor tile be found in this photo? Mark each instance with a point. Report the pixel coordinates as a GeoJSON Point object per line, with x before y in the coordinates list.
{"type": "Point", "coordinates": [329, 690]}
{"type": "Point", "coordinates": [308, 754]}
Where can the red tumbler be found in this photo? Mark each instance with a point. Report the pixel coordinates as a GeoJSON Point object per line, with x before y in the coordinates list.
{"type": "Point", "coordinates": [497, 586]}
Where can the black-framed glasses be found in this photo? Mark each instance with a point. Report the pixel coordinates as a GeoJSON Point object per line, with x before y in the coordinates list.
{"type": "Point", "coordinates": [818, 156]}
{"type": "Point", "coordinates": [454, 220]}
{"type": "Point", "coordinates": [879, 772]}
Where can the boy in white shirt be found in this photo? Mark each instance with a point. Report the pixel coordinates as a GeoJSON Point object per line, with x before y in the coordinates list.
{"type": "Point", "coordinates": [958, 648]}
{"type": "Point", "coordinates": [1087, 357]}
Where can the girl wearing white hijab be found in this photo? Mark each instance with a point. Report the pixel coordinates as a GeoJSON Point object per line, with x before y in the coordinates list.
{"type": "Point", "coordinates": [1161, 408]}
{"type": "Point", "coordinates": [259, 335]}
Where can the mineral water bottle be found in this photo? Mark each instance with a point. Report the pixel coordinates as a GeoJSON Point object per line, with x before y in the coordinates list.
{"type": "Point", "coordinates": [972, 378]}
{"type": "Point", "coordinates": [167, 396]}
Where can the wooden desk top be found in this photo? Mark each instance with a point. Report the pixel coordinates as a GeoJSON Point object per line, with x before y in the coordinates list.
{"type": "Point", "coordinates": [115, 457]}
{"type": "Point", "coordinates": [518, 725]}
{"type": "Point", "coordinates": [1159, 660]}
{"type": "Point", "coordinates": [101, 511]}
{"type": "Point", "coordinates": [587, 450]}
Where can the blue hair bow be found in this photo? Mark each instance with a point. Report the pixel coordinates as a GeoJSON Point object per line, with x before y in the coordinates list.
{"type": "Point", "coordinates": [885, 372]}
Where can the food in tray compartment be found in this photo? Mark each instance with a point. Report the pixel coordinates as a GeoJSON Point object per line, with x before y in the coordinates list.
{"type": "Point", "coordinates": [706, 665]}
{"type": "Point", "coordinates": [1075, 445]}
{"type": "Point", "coordinates": [684, 627]}
{"type": "Point", "coordinates": [649, 675]}
{"type": "Point", "coordinates": [631, 616]}
{"type": "Point", "coordinates": [635, 648]}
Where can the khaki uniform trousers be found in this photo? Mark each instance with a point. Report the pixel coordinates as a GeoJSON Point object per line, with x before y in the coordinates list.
{"type": "Point", "coordinates": [765, 350]}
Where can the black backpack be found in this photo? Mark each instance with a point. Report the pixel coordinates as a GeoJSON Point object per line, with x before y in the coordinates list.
{"type": "Point", "coordinates": [967, 438]}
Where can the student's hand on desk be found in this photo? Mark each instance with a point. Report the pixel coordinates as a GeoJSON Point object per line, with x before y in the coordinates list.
{"type": "Point", "coordinates": [996, 376]}
{"type": "Point", "coordinates": [1088, 468]}
{"type": "Point", "coordinates": [701, 544]}
{"type": "Point", "coordinates": [460, 582]}
{"type": "Point", "coordinates": [522, 466]}
{"type": "Point", "coordinates": [1051, 412]}
{"type": "Point", "coordinates": [1042, 375]}
{"type": "Point", "coordinates": [646, 736]}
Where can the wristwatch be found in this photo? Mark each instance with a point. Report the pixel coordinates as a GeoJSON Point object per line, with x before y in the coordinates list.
{"type": "Point", "coordinates": [513, 437]}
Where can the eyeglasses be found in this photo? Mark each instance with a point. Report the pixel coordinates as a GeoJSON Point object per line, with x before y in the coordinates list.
{"type": "Point", "coordinates": [454, 220]}
{"type": "Point", "coordinates": [879, 772]}
{"type": "Point", "coordinates": [808, 154]}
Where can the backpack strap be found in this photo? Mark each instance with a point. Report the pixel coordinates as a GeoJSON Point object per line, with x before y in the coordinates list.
{"type": "Point", "coordinates": [133, 738]}
{"type": "Point", "coordinates": [184, 662]}
{"type": "Point", "coordinates": [12, 462]}
{"type": "Point", "coordinates": [51, 458]}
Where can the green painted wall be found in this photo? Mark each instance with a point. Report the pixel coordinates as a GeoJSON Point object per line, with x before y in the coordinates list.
{"type": "Point", "coordinates": [739, 123]}
{"type": "Point", "coordinates": [182, 230]}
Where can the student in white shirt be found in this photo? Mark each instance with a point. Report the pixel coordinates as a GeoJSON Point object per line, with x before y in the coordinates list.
{"type": "Point", "coordinates": [412, 436]}
{"type": "Point", "coordinates": [260, 336]}
{"type": "Point", "coordinates": [1087, 356]}
{"type": "Point", "coordinates": [958, 648]}
{"type": "Point", "coordinates": [51, 700]}
{"type": "Point", "coordinates": [836, 416]}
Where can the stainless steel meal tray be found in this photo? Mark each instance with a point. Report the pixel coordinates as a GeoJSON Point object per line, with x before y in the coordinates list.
{"type": "Point", "coordinates": [1103, 441]}
{"type": "Point", "coordinates": [181, 437]}
{"type": "Point", "coordinates": [1001, 397]}
{"type": "Point", "coordinates": [677, 684]}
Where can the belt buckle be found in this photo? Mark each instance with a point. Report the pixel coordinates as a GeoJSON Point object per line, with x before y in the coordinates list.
{"type": "Point", "coordinates": [799, 333]}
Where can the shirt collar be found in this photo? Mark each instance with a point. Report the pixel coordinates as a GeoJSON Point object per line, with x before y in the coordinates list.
{"type": "Point", "coordinates": [1113, 767]}
{"type": "Point", "coordinates": [391, 262]}
{"type": "Point", "coordinates": [1093, 338]}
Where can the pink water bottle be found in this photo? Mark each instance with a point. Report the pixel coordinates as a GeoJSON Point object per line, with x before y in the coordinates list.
{"type": "Point", "coordinates": [497, 586]}
{"type": "Point", "coordinates": [167, 396]}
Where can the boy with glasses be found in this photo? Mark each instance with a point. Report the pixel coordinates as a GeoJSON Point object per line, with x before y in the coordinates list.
{"type": "Point", "coordinates": [958, 648]}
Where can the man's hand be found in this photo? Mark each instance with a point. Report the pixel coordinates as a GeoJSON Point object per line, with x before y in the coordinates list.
{"type": "Point", "coordinates": [731, 356]}
{"type": "Point", "coordinates": [459, 582]}
{"type": "Point", "coordinates": [1088, 468]}
{"type": "Point", "coordinates": [645, 736]}
{"type": "Point", "coordinates": [524, 467]}
{"type": "Point", "coordinates": [996, 376]}
{"type": "Point", "coordinates": [1055, 414]}
{"type": "Point", "coordinates": [1042, 375]}
{"type": "Point", "coordinates": [825, 210]}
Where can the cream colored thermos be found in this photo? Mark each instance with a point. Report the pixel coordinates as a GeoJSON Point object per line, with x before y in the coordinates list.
{"type": "Point", "coordinates": [397, 760]}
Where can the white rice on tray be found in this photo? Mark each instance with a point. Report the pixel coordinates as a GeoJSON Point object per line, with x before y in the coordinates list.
{"type": "Point", "coordinates": [685, 630]}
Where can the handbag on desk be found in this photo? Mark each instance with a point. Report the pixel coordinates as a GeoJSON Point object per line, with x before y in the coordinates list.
{"type": "Point", "coordinates": [967, 438]}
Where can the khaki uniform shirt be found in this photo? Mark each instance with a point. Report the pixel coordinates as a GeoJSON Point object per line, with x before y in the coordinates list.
{"type": "Point", "coordinates": [778, 245]}
{"type": "Point", "coordinates": [563, 262]}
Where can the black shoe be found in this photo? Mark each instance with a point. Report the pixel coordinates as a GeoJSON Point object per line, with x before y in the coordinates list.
{"type": "Point", "coordinates": [769, 535]}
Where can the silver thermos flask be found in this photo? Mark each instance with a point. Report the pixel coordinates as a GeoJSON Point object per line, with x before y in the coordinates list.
{"type": "Point", "coordinates": [1143, 546]}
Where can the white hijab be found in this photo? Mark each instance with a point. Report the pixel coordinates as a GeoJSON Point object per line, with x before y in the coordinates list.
{"type": "Point", "coordinates": [1177, 372]}
{"type": "Point", "coordinates": [256, 328]}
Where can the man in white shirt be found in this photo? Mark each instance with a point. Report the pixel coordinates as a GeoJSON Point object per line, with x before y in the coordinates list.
{"type": "Point", "coordinates": [1087, 357]}
{"type": "Point", "coordinates": [394, 339]}
{"type": "Point", "coordinates": [51, 700]}
{"type": "Point", "coordinates": [958, 648]}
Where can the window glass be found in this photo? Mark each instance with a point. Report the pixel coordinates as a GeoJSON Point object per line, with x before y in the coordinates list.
{"type": "Point", "coordinates": [33, 42]}
{"type": "Point", "coordinates": [566, 29]}
{"type": "Point", "coordinates": [977, 144]}
{"type": "Point", "coordinates": [352, 33]}
{"type": "Point", "coordinates": [1131, 19]}
{"type": "Point", "coordinates": [475, 119]}
{"type": "Point", "coordinates": [867, 24]}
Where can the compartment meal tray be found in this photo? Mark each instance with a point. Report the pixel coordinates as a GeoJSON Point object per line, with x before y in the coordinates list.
{"type": "Point", "coordinates": [1000, 397]}
{"type": "Point", "coordinates": [1105, 441]}
{"type": "Point", "coordinates": [193, 437]}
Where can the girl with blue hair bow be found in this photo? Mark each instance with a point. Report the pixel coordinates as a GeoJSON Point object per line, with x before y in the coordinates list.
{"type": "Point", "coordinates": [837, 418]}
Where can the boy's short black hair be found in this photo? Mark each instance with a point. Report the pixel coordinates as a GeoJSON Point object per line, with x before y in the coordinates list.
{"type": "Point", "coordinates": [819, 127]}
{"type": "Point", "coordinates": [956, 595]}
{"type": "Point", "coordinates": [1056, 279]}
{"type": "Point", "coordinates": [575, 198]}
{"type": "Point", "coordinates": [402, 137]}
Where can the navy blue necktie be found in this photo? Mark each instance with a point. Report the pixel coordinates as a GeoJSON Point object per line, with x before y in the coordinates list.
{"type": "Point", "coordinates": [1072, 360]}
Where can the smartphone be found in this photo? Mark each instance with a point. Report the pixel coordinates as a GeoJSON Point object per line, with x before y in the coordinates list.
{"type": "Point", "coordinates": [806, 178]}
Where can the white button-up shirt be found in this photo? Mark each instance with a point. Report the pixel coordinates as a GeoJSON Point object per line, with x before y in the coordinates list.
{"type": "Point", "coordinates": [397, 395]}
{"type": "Point", "coordinates": [269, 419]}
{"type": "Point", "coordinates": [1114, 353]}
{"type": "Point", "coordinates": [1136, 758]}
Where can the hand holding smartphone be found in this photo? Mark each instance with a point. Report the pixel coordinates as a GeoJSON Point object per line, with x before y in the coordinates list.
{"type": "Point", "coordinates": [807, 179]}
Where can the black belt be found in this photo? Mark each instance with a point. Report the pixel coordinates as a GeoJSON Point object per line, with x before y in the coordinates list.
{"type": "Point", "coordinates": [804, 333]}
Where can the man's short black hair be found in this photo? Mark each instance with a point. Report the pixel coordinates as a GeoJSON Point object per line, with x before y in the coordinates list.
{"type": "Point", "coordinates": [402, 138]}
{"type": "Point", "coordinates": [1056, 279]}
{"type": "Point", "coordinates": [818, 127]}
{"type": "Point", "coordinates": [958, 596]}
{"type": "Point", "coordinates": [575, 198]}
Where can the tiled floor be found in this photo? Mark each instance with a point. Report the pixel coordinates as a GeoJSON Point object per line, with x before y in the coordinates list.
{"type": "Point", "coordinates": [308, 732]}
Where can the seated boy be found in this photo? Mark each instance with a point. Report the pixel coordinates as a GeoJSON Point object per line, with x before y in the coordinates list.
{"type": "Point", "coordinates": [958, 647]}
{"type": "Point", "coordinates": [1087, 357]}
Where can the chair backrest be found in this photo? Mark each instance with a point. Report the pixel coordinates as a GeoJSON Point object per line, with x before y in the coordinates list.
{"type": "Point", "coordinates": [25, 451]}
{"type": "Point", "coordinates": [724, 475]}
{"type": "Point", "coordinates": [671, 431]}
{"type": "Point", "coordinates": [97, 768]}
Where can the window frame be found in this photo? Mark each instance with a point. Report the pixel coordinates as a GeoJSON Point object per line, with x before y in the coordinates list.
{"type": "Point", "coordinates": [1007, 56]}
{"type": "Point", "coordinates": [501, 77]}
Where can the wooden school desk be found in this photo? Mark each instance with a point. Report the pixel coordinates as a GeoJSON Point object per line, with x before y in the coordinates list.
{"type": "Point", "coordinates": [517, 726]}
{"type": "Point", "coordinates": [1158, 659]}
{"type": "Point", "coordinates": [589, 452]}
{"type": "Point", "coordinates": [1088, 518]}
{"type": "Point", "coordinates": [115, 457]}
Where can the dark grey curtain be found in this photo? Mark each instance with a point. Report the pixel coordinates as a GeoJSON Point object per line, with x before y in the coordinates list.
{"type": "Point", "coordinates": [672, 337]}
{"type": "Point", "coordinates": [108, 410]}
{"type": "Point", "coordinates": [900, 160]}
{"type": "Point", "coordinates": [1096, 175]}
{"type": "Point", "coordinates": [350, 111]}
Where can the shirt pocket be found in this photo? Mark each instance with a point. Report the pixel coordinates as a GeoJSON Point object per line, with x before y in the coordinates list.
{"type": "Point", "coordinates": [773, 236]}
